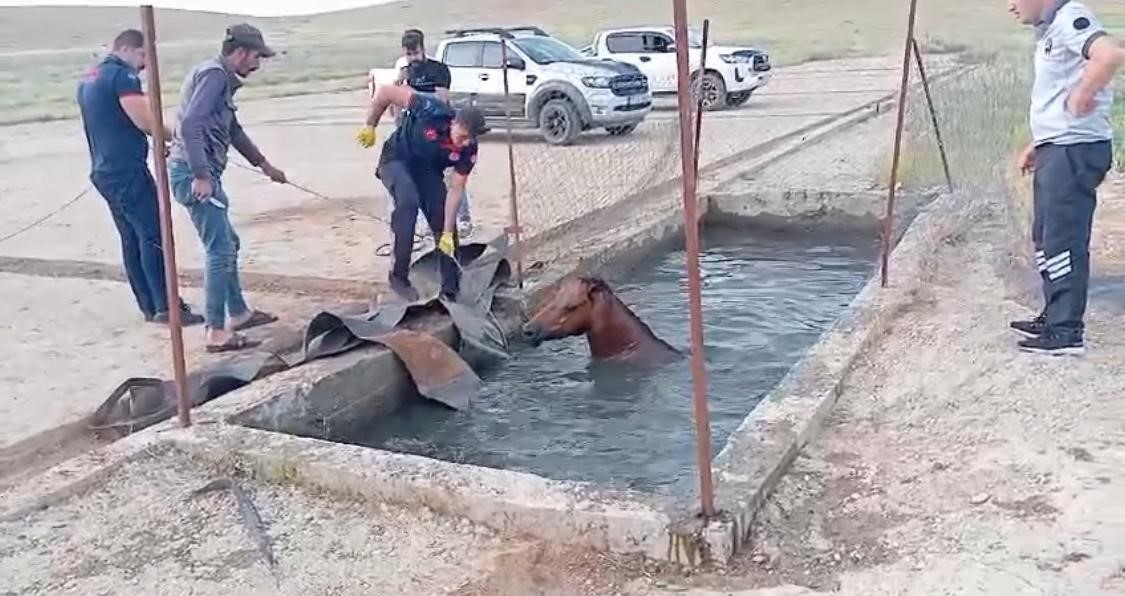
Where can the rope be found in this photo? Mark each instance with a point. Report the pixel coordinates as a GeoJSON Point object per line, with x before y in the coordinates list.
{"type": "Point", "coordinates": [43, 219]}
{"type": "Point", "coordinates": [383, 250]}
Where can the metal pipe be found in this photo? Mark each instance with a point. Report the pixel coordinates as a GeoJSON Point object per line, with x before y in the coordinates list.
{"type": "Point", "coordinates": [888, 219]}
{"type": "Point", "coordinates": [699, 100]}
{"type": "Point", "coordinates": [514, 209]}
{"type": "Point", "coordinates": [691, 231]}
{"type": "Point", "coordinates": [167, 240]}
{"type": "Point", "coordinates": [933, 112]}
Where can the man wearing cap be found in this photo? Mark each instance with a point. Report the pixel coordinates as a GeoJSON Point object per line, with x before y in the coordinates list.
{"type": "Point", "coordinates": [431, 138]}
{"type": "Point", "coordinates": [117, 117]}
{"type": "Point", "coordinates": [207, 127]}
{"type": "Point", "coordinates": [1071, 153]}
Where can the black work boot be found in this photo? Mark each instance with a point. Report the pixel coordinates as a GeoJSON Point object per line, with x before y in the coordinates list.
{"type": "Point", "coordinates": [403, 289]}
{"type": "Point", "coordinates": [1055, 343]}
{"type": "Point", "coordinates": [1033, 328]}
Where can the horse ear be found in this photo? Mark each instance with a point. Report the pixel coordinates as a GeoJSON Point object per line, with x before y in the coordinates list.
{"type": "Point", "coordinates": [596, 285]}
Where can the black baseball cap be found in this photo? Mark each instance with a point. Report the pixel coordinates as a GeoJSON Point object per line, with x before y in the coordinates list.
{"type": "Point", "coordinates": [248, 36]}
{"type": "Point", "coordinates": [473, 119]}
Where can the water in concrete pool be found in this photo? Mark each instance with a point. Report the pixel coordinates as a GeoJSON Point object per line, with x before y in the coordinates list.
{"type": "Point", "coordinates": [766, 299]}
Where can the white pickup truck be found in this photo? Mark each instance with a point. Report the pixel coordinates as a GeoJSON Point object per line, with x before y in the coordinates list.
{"type": "Point", "coordinates": [552, 87]}
{"type": "Point", "coordinates": [733, 72]}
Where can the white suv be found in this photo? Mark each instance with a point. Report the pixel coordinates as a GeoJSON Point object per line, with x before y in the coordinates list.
{"type": "Point", "coordinates": [733, 72]}
{"type": "Point", "coordinates": [552, 87]}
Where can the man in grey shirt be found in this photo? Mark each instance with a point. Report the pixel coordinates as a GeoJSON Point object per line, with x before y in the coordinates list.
{"type": "Point", "coordinates": [1071, 152]}
{"type": "Point", "coordinates": [206, 128]}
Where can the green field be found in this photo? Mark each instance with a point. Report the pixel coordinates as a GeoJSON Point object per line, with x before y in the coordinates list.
{"type": "Point", "coordinates": [39, 64]}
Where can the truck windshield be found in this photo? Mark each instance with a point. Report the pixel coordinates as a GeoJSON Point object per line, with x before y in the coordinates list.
{"type": "Point", "coordinates": [545, 50]}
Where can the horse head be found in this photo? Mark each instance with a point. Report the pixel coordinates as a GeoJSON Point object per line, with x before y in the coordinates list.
{"type": "Point", "coordinates": [570, 311]}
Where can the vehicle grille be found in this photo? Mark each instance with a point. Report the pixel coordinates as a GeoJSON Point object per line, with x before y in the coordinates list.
{"type": "Point", "coordinates": [630, 84]}
{"type": "Point", "coordinates": [761, 63]}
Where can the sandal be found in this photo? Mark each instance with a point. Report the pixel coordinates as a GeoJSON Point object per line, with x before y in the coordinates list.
{"type": "Point", "coordinates": [235, 343]}
{"type": "Point", "coordinates": [257, 319]}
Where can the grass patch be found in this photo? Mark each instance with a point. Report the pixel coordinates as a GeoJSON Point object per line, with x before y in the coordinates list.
{"type": "Point", "coordinates": [982, 116]}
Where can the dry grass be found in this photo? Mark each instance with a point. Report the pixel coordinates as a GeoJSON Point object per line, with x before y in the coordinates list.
{"type": "Point", "coordinates": [39, 65]}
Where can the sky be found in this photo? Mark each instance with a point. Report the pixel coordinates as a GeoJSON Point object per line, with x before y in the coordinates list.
{"type": "Point", "coordinates": [259, 8]}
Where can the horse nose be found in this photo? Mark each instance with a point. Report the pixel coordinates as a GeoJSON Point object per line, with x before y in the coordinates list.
{"type": "Point", "coordinates": [532, 332]}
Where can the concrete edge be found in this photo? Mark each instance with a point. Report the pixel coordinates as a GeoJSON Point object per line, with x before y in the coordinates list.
{"type": "Point", "coordinates": [759, 452]}
{"type": "Point", "coordinates": [510, 502]}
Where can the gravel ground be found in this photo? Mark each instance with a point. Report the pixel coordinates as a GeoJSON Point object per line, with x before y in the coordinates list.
{"type": "Point", "coordinates": [136, 533]}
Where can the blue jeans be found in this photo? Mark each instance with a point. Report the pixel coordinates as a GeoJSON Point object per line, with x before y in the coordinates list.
{"type": "Point", "coordinates": [220, 243]}
{"type": "Point", "coordinates": [131, 197]}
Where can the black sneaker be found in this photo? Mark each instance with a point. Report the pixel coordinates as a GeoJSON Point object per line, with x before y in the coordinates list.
{"type": "Point", "coordinates": [404, 289]}
{"type": "Point", "coordinates": [1032, 328]}
{"type": "Point", "coordinates": [187, 318]}
{"type": "Point", "coordinates": [1055, 344]}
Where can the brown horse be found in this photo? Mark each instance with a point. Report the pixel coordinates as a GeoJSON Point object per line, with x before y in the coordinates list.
{"type": "Point", "coordinates": [586, 305]}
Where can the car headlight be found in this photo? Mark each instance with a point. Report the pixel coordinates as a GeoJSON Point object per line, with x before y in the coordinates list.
{"type": "Point", "coordinates": [599, 82]}
{"type": "Point", "coordinates": [735, 59]}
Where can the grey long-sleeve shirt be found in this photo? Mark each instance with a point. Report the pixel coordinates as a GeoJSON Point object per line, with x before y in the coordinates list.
{"type": "Point", "coordinates": [207, 123]}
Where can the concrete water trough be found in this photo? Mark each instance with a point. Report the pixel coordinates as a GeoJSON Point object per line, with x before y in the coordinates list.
{"type": "Point", "coordinates": [283, 427]}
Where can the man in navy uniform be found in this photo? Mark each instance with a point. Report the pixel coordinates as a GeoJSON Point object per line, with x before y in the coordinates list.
{"type": "Point", "coordinates": [1071, 153]}
{"type": "Point", "coordinates": [116, 118]}
{"type": "Point", "coordinates": [431, 138]}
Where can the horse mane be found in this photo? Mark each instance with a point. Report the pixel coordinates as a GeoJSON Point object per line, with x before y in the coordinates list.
{"type": "Point", "coordinates": [597, 283]}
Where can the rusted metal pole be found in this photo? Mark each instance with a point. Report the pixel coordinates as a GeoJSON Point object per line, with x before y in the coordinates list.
{"type": "Point", "coordinates": [691, 231]}
{"type": "Point", "coordinates": [933, 111]}
{"type": "Point", "coordinates": [514, 209]}
{"type": "Point", "coordinates": [699, 100]}
{"type": "Point", "coordinates": [888, 219]}
{"type": "Point", "coordinates": [167, 240]}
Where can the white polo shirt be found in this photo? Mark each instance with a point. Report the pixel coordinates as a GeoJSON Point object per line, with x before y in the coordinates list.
{"type": "Point", "coordinates": [1061, 53]}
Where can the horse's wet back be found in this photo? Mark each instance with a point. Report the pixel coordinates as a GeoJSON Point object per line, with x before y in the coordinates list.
{"type": "Point", "coordinates": [766, 299]}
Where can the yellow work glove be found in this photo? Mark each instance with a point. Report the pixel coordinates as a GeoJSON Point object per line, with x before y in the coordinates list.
{"type": "Point", "coordinates": [446, 245]}
{"type": "Point", "coordinates": [366, 137]}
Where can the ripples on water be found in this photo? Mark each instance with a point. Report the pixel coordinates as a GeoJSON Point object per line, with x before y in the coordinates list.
{"type": "Point", "coordinates": [766, 299]}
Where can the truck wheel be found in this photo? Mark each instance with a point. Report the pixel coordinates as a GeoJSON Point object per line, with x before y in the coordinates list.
{"type": "Point", "coordinates": [712, 89]}
{"type": "Point", "coordinates": [620, 131]}
{"type": "Point", "coordinates": [559, 122]}
{"type": "Point", "coordinates": [736, 99]}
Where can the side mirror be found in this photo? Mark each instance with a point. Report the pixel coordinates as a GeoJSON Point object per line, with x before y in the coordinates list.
{"type": "Point", "coordinates": [516, 63]}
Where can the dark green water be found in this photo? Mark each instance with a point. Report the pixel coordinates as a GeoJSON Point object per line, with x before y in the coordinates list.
{"type": "Point", "coordinates": [766, 300]}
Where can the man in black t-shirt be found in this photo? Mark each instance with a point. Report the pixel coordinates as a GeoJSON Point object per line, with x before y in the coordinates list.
{"type": "Point", "coordinates": [419, 71]}
{"type": "Point", "coordinates": [426, 75]}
